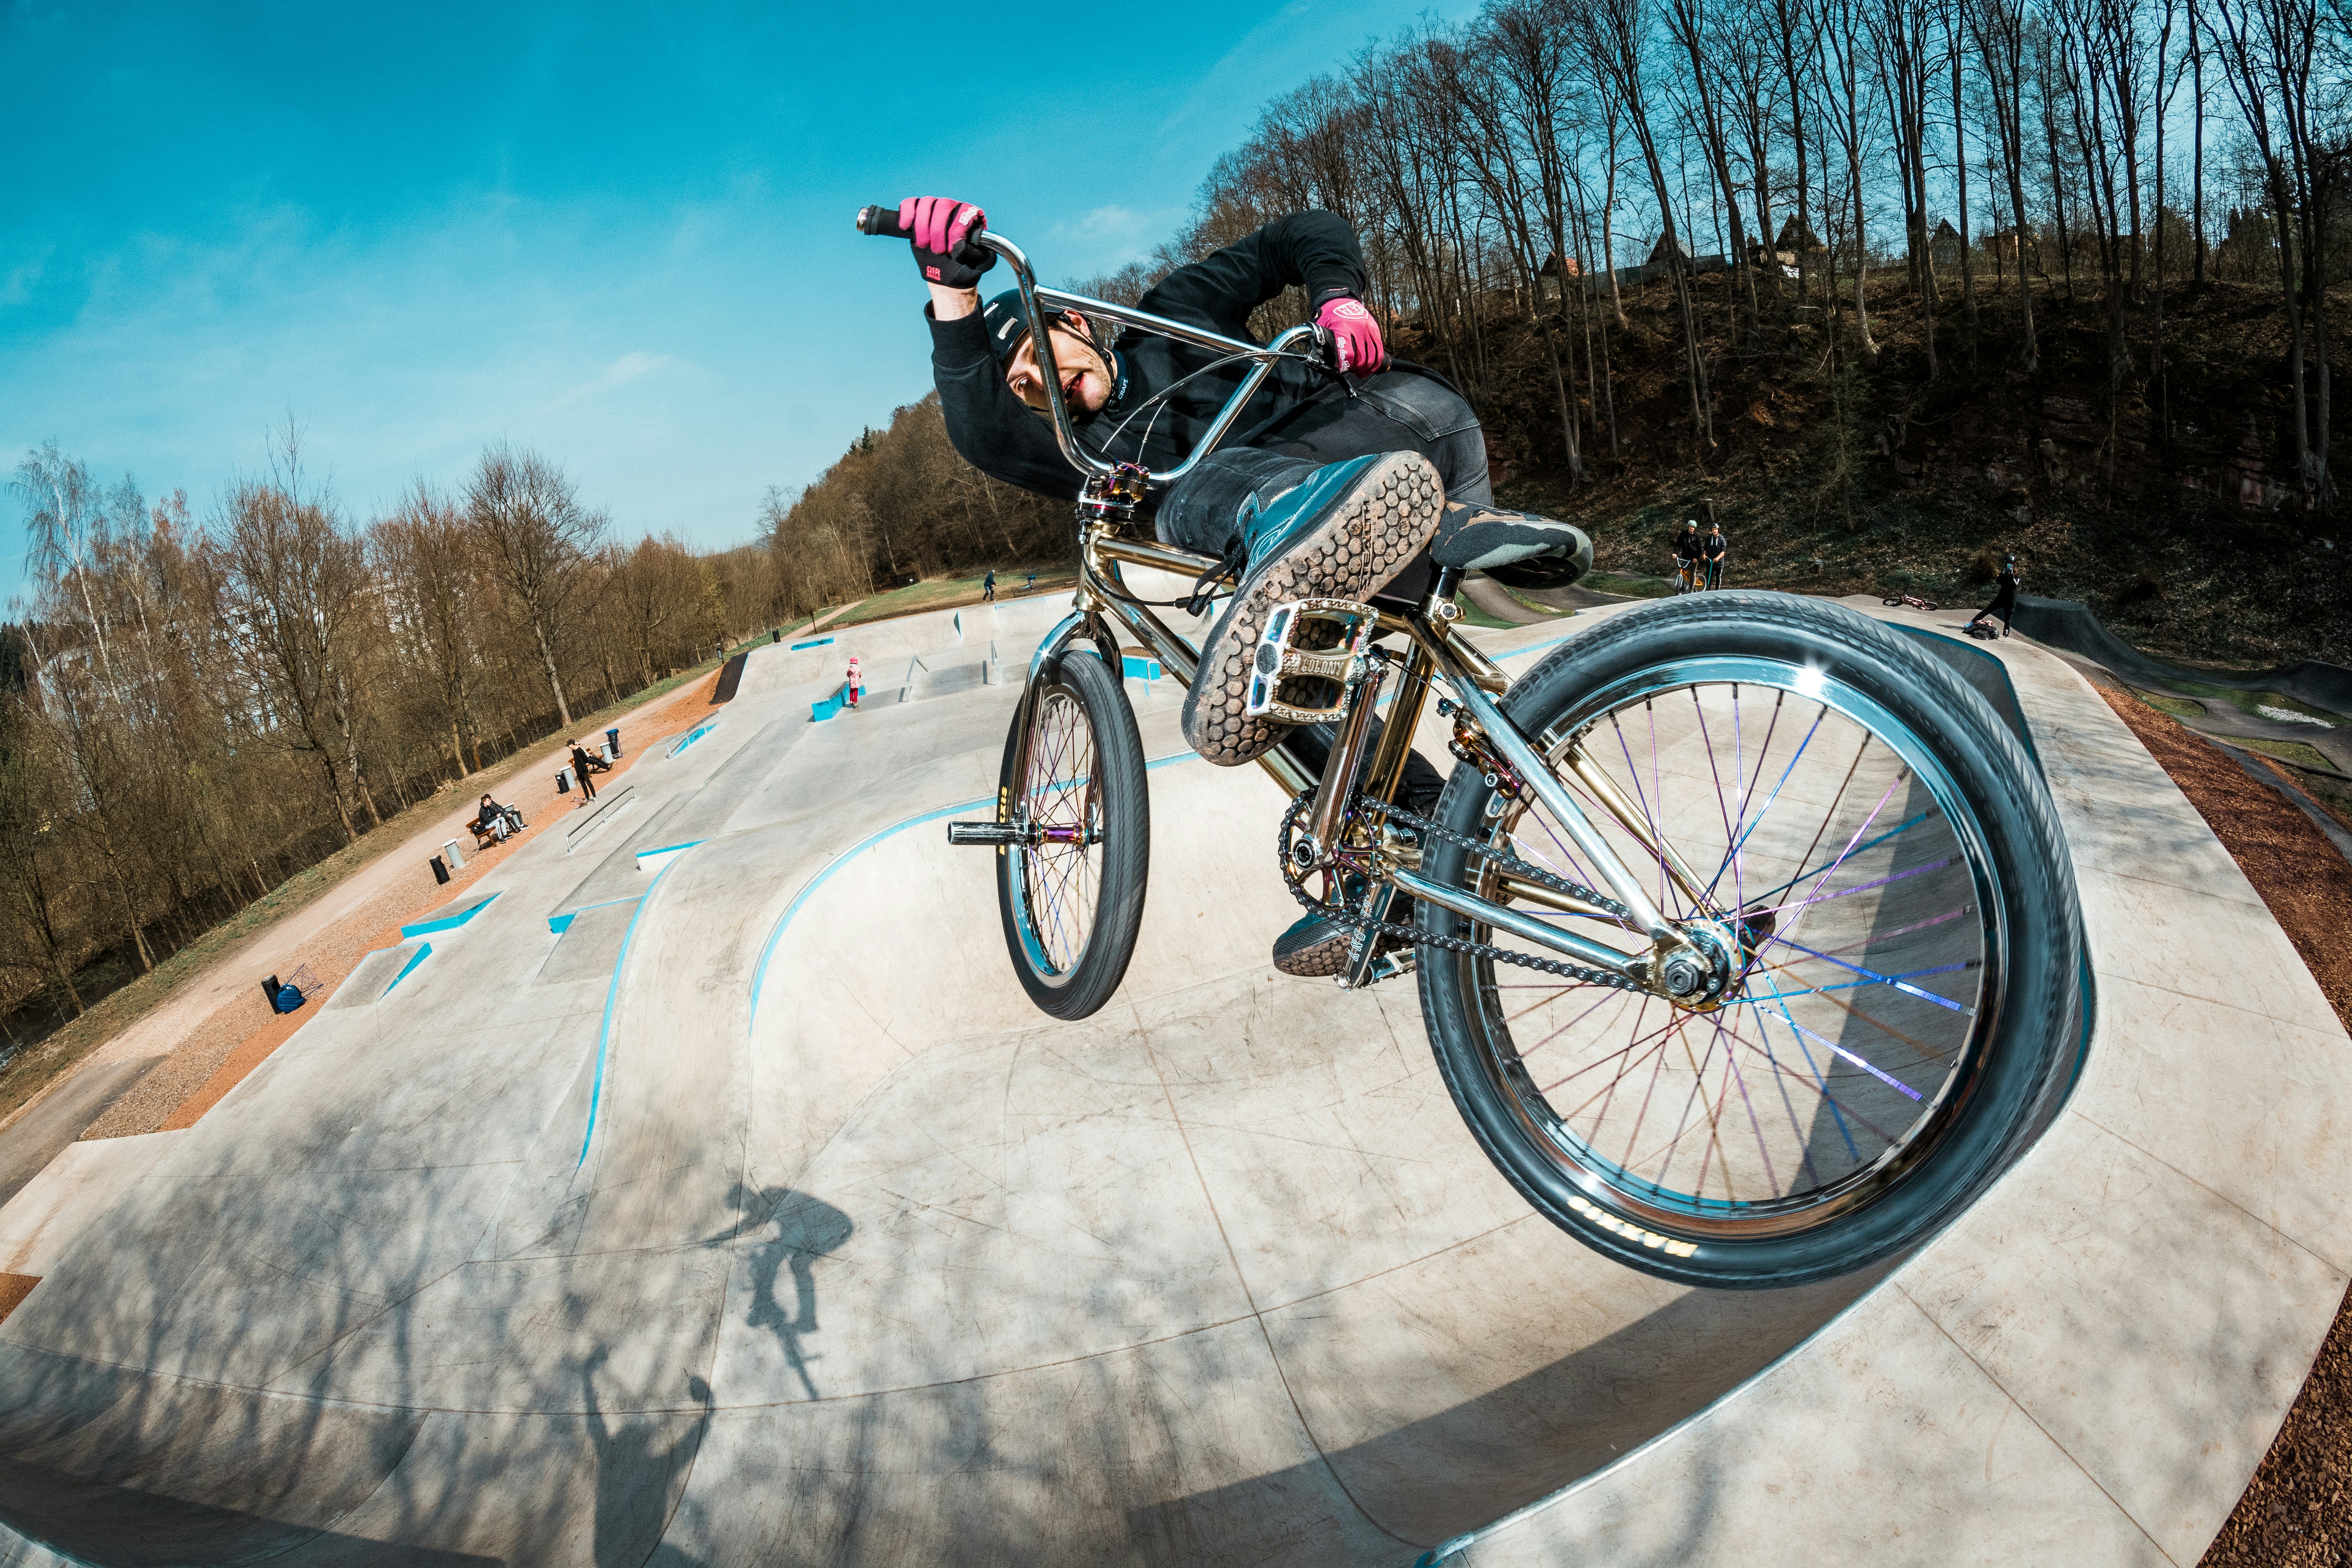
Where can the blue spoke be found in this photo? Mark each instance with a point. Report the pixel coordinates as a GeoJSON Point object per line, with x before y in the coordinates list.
{"type": "Point", "coordinates": [1872, 976]}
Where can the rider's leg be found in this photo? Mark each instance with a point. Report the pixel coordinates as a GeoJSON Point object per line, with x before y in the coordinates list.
{"type": "Point", "coordinates": [1296, 530]}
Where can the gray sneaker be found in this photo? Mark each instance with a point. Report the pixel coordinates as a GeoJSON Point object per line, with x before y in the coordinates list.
{"type": "Point", "coordinates": [1343, 534]}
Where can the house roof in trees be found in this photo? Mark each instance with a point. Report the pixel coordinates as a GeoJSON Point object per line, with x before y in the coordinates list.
{"type": "Point", "coordinates": [1658, 252]}
{"type": "Point", "coordinates": [1795, 236]}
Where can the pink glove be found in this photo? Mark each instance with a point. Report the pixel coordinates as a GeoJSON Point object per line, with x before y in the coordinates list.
{"type": "Point", "coordinates": [1354, 335]}
{"type": "Point", "coordinates": [940, 227]}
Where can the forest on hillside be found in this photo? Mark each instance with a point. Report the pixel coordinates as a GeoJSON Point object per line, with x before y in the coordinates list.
{"type": "Point", "coordinates": [1887, 284]}
{"type": "Point", "coordinates": [195, 706]}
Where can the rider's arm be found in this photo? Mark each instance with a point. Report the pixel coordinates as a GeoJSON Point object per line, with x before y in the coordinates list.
{"type": "Point", "coordinates": [1314, 250]}
{"type": "Point", "coordinates": [989, 426]}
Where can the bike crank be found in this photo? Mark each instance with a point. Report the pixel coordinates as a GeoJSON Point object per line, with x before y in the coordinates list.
{"type": "Point", "coordinates": [1352, 913]}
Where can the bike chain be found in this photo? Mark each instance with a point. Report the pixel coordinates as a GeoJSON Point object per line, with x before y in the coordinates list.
{"type": "Point", "coordinates": [1351, 915]}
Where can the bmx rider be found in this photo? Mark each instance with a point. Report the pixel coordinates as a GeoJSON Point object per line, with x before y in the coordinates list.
{"type": "Point", "coordinates": [1332, 488]}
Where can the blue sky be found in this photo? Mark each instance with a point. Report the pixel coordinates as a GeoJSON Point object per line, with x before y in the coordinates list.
{"type": "Point", "coordinates": [620, 235]}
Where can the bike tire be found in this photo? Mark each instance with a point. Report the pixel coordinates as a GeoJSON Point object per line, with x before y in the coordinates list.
{"type": "Point", "coordinates": [1892, 604]}
{"type": "Point", "coordinates": [1071, 912]}
{"type": "Point", "coordinates": [2018, 1044]}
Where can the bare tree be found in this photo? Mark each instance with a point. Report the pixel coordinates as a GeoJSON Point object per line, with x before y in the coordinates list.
{"type": "Point", "coordinates": [534, 536]}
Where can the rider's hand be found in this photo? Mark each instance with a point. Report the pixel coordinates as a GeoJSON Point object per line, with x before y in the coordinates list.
{"type": "Point", "coordinates": [940, 229]}
{"type": "Point", "coordinates": [1355, 336]}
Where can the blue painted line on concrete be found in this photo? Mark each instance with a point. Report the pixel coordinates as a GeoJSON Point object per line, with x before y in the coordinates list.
{"type": "Point", "coordinates": [560, 924]}
{"type": "Point", "coordinates": [612, 999]}
{"type": "Point", "coordinates": [693, 735]}
{"type": "Point", "coordinates": [421, 954]}
{"type": "Point", "coordinates": [809, 887]}
{"type": "Point", "coordinates": [448, 922]}
{"type": "Point", "coordinates": [666, 849]}
{"type": "Point", "coordinates": [818, 642]}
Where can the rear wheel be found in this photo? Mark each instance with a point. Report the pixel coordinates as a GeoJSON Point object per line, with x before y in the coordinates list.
{"type": "Point", "coordinates": [1881, 871]}
{"type": "Point", "coordinates": [1072, 895]}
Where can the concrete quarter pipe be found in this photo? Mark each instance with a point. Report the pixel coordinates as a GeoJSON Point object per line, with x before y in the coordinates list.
{"type": "Point", "coordinates": [755, 1216]}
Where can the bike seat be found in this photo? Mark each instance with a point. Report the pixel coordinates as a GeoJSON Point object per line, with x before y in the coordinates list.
{"type": "Point", "coordinates": [1513, 547]}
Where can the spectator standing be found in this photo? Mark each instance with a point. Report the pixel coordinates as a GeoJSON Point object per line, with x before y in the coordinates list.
{"type": "Point", "coordinates": [1715, 548]}
{"type": "Point", "coordinates": [580, 772]}
{"type": "Point", "coordinates": [988, 588]}
{"type": "Point", "coordinates": [1688, 546]}
{"type": "Point", "coordinates": [855, 681]}
{"type": "Point", "coordinates": [2004, 599]}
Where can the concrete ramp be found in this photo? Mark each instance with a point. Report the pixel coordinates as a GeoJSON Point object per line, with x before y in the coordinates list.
{"type": "Point", "coordinates": [2069, 624]}
{"type": "Point", "coordinates": [767, 1222]}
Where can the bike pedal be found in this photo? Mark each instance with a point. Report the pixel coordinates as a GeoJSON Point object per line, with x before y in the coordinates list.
{"type": "Point", "coordinates": [1279, 659]}
{"type": "Point", "coordinates": [1387, 966]}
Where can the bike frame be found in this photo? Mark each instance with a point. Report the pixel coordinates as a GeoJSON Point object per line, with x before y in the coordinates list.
{"type": "Point", "coordinates": [1435, 654]}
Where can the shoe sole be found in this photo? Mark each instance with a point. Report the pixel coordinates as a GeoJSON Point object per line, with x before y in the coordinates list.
{"type": "Point", "coordinates": [1382, 522]}
{"type": "Point", "coordinates": [1318, 960]}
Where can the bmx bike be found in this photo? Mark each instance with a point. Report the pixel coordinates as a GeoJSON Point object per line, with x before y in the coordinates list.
{"type": "Point", "coordinates": [1745, 933]}
{"type": "Point", "coordinates": [1688, 576]}
{"type": "Point", "coordinates": [1898, 601]}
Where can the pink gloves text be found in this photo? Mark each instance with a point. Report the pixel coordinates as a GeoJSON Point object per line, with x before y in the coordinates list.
{"type": "Point", "coordinates": [1355, 336]}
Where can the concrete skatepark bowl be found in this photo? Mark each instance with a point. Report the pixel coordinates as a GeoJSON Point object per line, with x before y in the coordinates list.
{"type": "Point", "coordinates": [714, 1195]}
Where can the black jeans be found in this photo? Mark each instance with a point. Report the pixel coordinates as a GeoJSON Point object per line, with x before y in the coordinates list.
{"type": "Point", "coordinates": [2004, 605]}
{"type": "Point", "coordinates": [1396, 411]}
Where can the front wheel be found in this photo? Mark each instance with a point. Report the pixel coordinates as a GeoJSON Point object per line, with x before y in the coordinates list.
{"type": "Point", "coordinates": [1880, 872]}
{"type": "Point", "coordinates": [1071, 893]}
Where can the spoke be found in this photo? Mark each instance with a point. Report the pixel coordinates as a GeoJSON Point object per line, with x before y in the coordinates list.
{"type": "Point", "coordinates": [1765, 809]}
{"type": "Point", "coordinates": [1903, 826]}
{"type": "Point", "coordinates": [1872, 976]}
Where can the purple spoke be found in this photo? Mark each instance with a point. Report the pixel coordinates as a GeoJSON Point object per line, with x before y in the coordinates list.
{"type": "Point", "coordinates": [1904, 930]}
{"type": "Point", "coordinates": [1778, 785]}
{"type": "Point", "coordinates": [1820, 898]}
{"type": "Point", "coordinates": [1732, 1060]}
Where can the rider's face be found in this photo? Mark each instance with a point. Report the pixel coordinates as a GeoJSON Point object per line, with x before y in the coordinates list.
{"type": "Point", "coordinates": [1086, 377]}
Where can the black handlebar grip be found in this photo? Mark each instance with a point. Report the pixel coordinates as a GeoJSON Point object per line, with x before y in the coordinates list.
{"type": "Point", "coordinates": [881, 220]}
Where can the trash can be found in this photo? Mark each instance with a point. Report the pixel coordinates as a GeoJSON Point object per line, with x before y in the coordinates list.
{"type": "Point", "coordinates": [269, 991]}
{"type": "Point", "coordinates": [613, 740]}
{"type": "Point", "coordinates": [449, 851]}
{"type": "Point", "coordinates": [563, 780]}
{"type": "Point", "coordinates": [440, 871]}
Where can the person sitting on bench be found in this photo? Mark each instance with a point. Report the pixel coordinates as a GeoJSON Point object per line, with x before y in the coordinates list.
{"type": "Point", "coordinates": [492, 822]}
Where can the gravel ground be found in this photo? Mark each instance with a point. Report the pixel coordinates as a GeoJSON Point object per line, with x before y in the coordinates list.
{"type": "Point", "coordinates": [2295, 1512]}
{"type": "Point", "coordinates": [239, 1035]}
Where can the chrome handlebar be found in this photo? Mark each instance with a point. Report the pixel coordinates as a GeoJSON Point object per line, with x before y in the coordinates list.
{"type": "Point", "coordinates": [1034, 301]}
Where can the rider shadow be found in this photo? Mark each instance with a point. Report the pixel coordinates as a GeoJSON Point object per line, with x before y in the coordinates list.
{"type": "Point", "coordinates": [799, 1230]}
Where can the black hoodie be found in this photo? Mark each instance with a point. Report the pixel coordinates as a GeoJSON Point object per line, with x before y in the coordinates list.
{"type": "Point", "coordinates": [1002, 436]}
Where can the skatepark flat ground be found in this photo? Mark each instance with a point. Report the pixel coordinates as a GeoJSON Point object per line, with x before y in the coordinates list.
{"type": "Point", "coordinates": [733, 1204]}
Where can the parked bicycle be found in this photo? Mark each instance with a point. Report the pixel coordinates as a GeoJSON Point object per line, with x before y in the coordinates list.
{"type": "Point", "coordinates": [1745, 933]}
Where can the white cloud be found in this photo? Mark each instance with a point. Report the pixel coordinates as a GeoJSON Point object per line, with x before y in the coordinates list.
{"type": "Point", "coordinates": [620, 373]}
